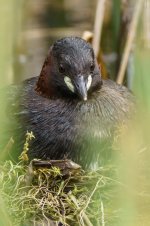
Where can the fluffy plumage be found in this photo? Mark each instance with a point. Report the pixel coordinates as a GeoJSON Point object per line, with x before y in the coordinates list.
{"type": "Point", "coordinates": [62, 122]}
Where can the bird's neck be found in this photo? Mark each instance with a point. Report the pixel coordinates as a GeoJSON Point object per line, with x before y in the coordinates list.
{"type": "Point", "coordinates": [43, 85]}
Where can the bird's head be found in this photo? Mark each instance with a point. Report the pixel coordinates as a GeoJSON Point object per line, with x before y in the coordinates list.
{"type": "Point", "coordinates": [70, 70]}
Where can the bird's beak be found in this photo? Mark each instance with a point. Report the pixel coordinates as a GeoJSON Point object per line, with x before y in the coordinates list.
{"type": "Point", "coordinates": [81, 88]}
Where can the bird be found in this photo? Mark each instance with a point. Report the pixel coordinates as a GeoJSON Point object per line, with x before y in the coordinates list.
{"type": "Point", "coordinates": [72, 112]}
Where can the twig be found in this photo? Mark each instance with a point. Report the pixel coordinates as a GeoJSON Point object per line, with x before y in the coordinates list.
{"type": "Point", "coordinates": [129, 42]}
{"type": "Point", "coordinates": [98, 25]}
{"type": "Point", "coordinates": [102, 212]}
{"type": "Point", "coordinates": [84, 216]}
{"type": "Point", "coordinates": [90, 197]}
{"type": "Point", "coordinates": [146, 23]}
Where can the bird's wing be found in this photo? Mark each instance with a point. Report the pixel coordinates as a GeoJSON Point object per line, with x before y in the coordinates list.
{"type": "Point", "coordinates": [12, 113]}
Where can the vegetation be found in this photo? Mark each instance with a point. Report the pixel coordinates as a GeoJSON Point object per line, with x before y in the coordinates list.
{"type": "Point", "coordinates": [38, 194]}
{"type": "Point", "coordinates": [115, 194]}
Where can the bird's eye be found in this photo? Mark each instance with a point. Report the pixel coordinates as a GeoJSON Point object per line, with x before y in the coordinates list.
{"type": "Point", "coordinates": [61, 69]}
{"type": "Point", "coordinates": [92, 67]}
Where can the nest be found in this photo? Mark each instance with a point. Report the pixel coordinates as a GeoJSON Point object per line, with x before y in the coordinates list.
{"type": "Point", "coordinates": [56, 192]}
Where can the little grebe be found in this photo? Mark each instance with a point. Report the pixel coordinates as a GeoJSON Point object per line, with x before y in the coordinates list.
{"type": "Point", "coordinates": [71, 111]}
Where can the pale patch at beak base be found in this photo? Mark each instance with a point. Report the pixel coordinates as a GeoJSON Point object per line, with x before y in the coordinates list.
{"type": "Point", "coordinates": [69, 84]}
{"type": "Point", "coordinates": [89, 82]}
